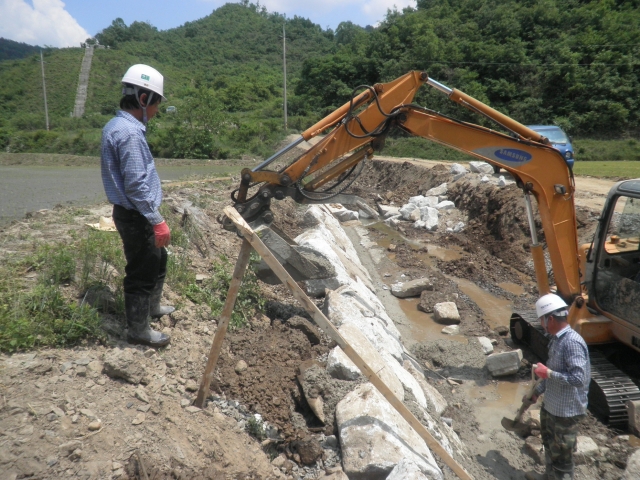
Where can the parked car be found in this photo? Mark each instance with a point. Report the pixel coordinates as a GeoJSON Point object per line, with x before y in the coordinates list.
{"type": "Point", "coordinates": [559, 139]}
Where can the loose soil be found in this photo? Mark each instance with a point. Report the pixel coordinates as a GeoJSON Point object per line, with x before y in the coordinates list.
{"type": "Point", "coordinates": [55, 397]}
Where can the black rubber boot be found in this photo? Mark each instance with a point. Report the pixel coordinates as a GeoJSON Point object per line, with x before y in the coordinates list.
{"type": "Point", "coordinates": [158, 310]}
{"type": "Point", "coordinates": [137, 309]}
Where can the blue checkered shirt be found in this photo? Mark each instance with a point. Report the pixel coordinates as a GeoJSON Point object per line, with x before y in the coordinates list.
{"type": "Point", "coordinates": [129, 173]}
{"type": "Point", "coordinates": [565, 391]}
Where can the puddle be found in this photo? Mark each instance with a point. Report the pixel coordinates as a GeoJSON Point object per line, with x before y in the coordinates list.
{"type": "Point", "coordinates": [497, 311]}
{"type": "Point", "coordinates": [494, 401]}
{"type": "Point", "coordinates": [634, 441]}
{"type": "Point", "coordinates": [512, 288]}
{"type": "Point", "coordinates": [422, 326]}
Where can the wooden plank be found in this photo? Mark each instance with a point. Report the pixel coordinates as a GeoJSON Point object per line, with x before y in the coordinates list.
{"type": "Point", "coordinates": [332, 332]}
{"type": "Point", "coordinates": [225, 317]}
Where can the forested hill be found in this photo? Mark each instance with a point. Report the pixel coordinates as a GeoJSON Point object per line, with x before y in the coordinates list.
{"type": "Point", "coordinates": [10, 49]}
{"type": "Point", "coordinates": [570, 62]}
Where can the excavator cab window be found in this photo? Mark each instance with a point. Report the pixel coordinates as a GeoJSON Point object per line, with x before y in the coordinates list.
{"type": "Point", "coordinates": [617, 285]}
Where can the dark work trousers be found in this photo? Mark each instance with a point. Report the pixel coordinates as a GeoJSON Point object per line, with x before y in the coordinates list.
{"type": "Point", "coordinates": [146, 264]}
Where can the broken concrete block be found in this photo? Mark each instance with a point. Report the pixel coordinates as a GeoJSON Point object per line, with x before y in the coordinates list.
{"type": "Point", "coordinates": [374, 437]}
{"type": "Point", "coordinates": [446, 312]}
{"type": "Point", "coordinates": [487, 346]}
{"type": "Point", "coordinates": [445, 205]}
{"type": "Point", "coordinates": [586, 450]}
{"type": "Point", "coordinates": [501, 181]}
{"type": "Point", "coordinates": [436, 191]}
{"type": "Point", "coordinates": [481, 167]}
{"type": "Point", "coordinates": [505, 363]}
{"type": "Point", "coordinates": [457, 169]}
{"type": "Point", "coordinates": [410, 212]}
{"type": "Point", "coordinates": [534, 448]}
{"type": "Point", "coordinates": [484, 179]}
{"type": "Point", "coordinates": [340, 366]}
{"type": "Point", "coordinates": [412, 288]}
{"type": "Point", "coordinates": [451, 330]}
{"type": "Point", "coordinates": [387, 211]}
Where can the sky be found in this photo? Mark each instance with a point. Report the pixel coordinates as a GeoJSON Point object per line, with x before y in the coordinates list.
{"type": "Point", "coordinates": [58, 23]}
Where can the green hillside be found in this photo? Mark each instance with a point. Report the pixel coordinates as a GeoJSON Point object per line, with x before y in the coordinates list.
{"type": "Point", "coordinates": [572, 63]}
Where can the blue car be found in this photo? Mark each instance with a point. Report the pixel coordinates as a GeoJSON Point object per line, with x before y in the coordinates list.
{"type": "Point", "coordinates": [559, 140]}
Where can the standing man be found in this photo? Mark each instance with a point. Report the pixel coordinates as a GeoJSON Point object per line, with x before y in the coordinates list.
{"type": "Point", "coordinates": [132, 185]}
{"type": "Point", "coordinates": [565, 387]}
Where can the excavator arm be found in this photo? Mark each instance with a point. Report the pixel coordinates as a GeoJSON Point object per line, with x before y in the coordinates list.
{"type": "Point", "coordinates": [358, 129]}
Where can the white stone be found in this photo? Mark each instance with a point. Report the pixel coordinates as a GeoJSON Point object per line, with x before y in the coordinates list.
{"type": "Point", "coordinates": [501, 181]}
{"type": "Point", "coordinates": [410, 212]}
{"type": "Point", "coordinates": [439, 190]}
{"type": "Point", "coordinates": [446, 312]}
{"type": "Point", "coordinates": [372, 357]}
{"type": "Point", "coordinates": [586, 449]}
{"type": "Point", "coordinates": [484, 179]}
{"type": "Point", "coordinates": [487, 346]}
{"type": "Point", "coordinates": [504, 363]}
{"type": "Point", "coordinates": [436, 403]}
{"type": "Point", "coordinates": [374, 437]}
{"type": "Point", "coordinates": [388, 211]}
{"type": "Point", "coordinates": [457, 169]}
{"type": "Point", "coordinates": [429, 215]}
{"type": "Point", "coordinates": [445, 205]}
{"type": "Point", "coordinates": [422, 201]}
{"type": "Point", "coordinates": [481, 167]}
{"type": "Point", "coordinates": [407, 469]}
{"type": "Point", "coordinates": [458, 227]}
{"type": "Point", "coordinates": [393, 222]}
{"type": "Point", "coordinates": [451, 330]}
{"type": "Point", "coordinates": [632, 472]}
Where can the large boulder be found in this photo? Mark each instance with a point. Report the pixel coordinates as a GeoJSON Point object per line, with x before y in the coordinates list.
{"type": "Point", "coordinates": [374, 437]}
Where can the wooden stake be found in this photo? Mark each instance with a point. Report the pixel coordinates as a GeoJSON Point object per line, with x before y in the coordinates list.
{"type": "Point", "coordinates": [332, 332]}
{"type": "Point", "coordinates": [216, 346]}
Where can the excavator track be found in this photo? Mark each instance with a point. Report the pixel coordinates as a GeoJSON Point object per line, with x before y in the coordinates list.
{"type": "Point", "coordinates": [610, 387]}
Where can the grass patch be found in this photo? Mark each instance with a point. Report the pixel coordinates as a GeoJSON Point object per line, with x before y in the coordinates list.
{"type": "Point", "coordinates": [588, 150]}
{"type": "Point", "coordinates": [48, 315]}
{"type": "Point", "coordinates": [610, 169]}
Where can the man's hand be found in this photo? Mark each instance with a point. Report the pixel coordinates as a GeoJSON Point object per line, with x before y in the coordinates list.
{"type": "Point", "coordinates": [163, 234]}
{"type": "Point", "coordinates": [529, 401]}
{"type": "Point", "coordinates": [542, 371]}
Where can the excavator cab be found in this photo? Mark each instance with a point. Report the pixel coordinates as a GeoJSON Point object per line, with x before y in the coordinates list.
{"type": "Point", "coordinates": [614, 264]}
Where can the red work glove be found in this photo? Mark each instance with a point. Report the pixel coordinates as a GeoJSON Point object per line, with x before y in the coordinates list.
{"type": "Point", "coordinates": [163, 234]}
{"type": "Point", "coordinates": [542, 371]}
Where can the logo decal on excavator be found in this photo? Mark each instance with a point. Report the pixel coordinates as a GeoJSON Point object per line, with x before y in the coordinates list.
{"type": "Point", "coordinates": [513, 155]}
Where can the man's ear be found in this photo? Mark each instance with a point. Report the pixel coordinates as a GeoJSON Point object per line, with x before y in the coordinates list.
{"type": "Point", "coordinates": [143, 100]}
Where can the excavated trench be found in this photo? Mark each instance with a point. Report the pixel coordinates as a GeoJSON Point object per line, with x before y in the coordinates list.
{"type": "Point", "coordinates": [485, 269]}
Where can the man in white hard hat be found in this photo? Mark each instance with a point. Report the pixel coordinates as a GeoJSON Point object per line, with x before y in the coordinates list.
{"type": "Point", "coordinates": [565, 387]}
{"type": "Point", "coordinates": [132, 185]}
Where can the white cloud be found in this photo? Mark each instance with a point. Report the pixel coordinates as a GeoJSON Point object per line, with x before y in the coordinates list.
{"type": "Point", "coordinates": [46, 23]}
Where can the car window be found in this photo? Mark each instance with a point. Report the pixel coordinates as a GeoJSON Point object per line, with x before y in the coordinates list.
{"type": "Point", "coordinates": [555, 135]}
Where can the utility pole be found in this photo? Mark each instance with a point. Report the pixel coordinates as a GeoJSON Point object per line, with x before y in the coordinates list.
{"type": "Point", "coordinates": [284, 63]}
{"type": "Point", "coordinates": [44, 89]}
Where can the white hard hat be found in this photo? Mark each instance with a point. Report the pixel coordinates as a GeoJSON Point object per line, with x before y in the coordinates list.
{"type": "Point", "coordinates": [146, 77]}
{"type": "Point", "coordinates": [551, 303]}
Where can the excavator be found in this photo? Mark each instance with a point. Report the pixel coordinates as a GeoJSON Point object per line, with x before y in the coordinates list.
{"type": "Point", "coordinates": [599, 281]}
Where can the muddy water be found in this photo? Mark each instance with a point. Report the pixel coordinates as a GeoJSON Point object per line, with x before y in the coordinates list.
{"type": "Point", "coordinates": [494, 401]}
{"type": "Point", "coordinates": [497, 311]}
{"type": "Point", "coordinates": [29, 188]}
{"type": "Point", "coordinates": [422, 325]}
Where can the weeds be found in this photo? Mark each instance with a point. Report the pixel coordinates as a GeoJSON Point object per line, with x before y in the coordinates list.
{"type": "Point", "coordinates": [43, 315]}
{"type": "Point", "coordinates": [255, 428]}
